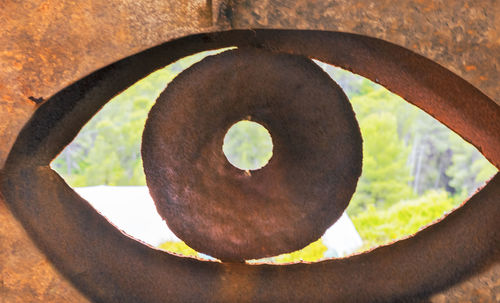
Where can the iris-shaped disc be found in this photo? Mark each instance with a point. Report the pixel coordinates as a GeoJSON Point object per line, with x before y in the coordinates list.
{"type": "Point", "coordinates": [231, 214]}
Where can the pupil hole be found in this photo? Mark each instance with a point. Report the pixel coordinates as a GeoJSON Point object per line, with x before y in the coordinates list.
{"type": "Point", "coordinates": [248, 145]}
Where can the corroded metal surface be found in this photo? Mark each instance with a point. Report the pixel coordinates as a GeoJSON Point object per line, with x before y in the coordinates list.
{"type": "Point", "coordinates": [484, 287]}
{"type": "Point", "coordinates": [225, 212]}
{"type": "Point", "coordinates": [40, 54]}
{"type": "Point", "coordinates": [57, 215]}
{"type": "Point", "coordinates": [46, 46]}
{"type": "Point", "coordinates": [461, 35]}
{"type": "Point", "coordinates": [26, 275]}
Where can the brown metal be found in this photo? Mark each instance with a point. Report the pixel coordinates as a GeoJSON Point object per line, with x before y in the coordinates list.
{"type": "Point", "coordinates": [105, 264]}
{"type": "Point", "coordinates": [46, 46]}
{"type": "Point", "coordinates": [223, 211]}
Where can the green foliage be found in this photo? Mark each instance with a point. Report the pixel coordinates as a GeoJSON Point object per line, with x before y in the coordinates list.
{"type": "Point", "coordinates": [468, 169]}
{"type": "Point", "coordinates": [179, 248]}
{"type": "Point", "coordinates": [378, 226]}
{"type": "Point", "coordinates": [248, 145]}
{"type": "Point", "coordinates": [107, 151]}
{"type": "Point", "coordinates": [311, 253]}
{"type": "Point", "coordinates": [385, 177]}
{"type": "Point", "coordinates": [352, 84]}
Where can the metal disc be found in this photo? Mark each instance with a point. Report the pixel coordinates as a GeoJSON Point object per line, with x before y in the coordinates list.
{"type": "Point", "coordinates": [235, 215]}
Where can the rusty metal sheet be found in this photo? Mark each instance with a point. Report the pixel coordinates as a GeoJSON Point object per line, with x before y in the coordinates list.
{"type": "Point", "coordinates": [461, 35]}
{"type": "Point", "coordinates": [101, 251]}
{"type": "Point", "coordinates": [45, 46]}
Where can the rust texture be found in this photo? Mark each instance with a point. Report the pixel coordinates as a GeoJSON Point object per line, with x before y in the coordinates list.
{"type": "Point", "coordinates": [223, 211]}
{"type": "Point", "coordinates": [47, 46]}
{"type": "Point", "coordinates": [90, 251]}
{"type": "Point", "coordinates": [484, 287]}
{"type": "Point", "coordinates": [461, 35]}
{"type": "Point", "coordinates": [25, 273]}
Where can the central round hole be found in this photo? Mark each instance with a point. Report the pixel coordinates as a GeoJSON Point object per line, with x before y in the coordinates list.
{"type": "Point", "coordinates": [248, 145]}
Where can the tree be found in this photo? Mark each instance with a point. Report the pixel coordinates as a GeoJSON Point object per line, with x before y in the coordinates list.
{"type": "Point", "coordinates": [385, 176]}
{"type": "Point", "coordinates": [381, 226]}
{"type": "Point", "coordinates": [248, 145]}
{"type": "Point", "coordinates": [468, 169]}
{"type": "Point", "coordinates": [107, 149]}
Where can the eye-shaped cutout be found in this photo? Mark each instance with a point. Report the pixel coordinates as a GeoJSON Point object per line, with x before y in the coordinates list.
{"type": "Point", "coordinates": [92, 254]}
{"type": "Point", "coordinates": [101, 155]}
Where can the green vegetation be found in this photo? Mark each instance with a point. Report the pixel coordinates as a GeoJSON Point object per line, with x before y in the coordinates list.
{"type": "Point", "coordinates": [414, 168]}
{"type": "Point", "coordinates": [248, 145]}
{"type": "Point", "coordinates": [311, 253]}
{"type": "Point", "coordinates": [107, 151]}
{"type": "Point", "coordinates": [377, 226]}
{"type": "Point", "coordinates": [385, 178]}
{"type": "Point", "coordinates": [179, 248]}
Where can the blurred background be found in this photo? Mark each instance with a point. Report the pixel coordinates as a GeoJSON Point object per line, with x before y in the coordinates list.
{"type": "Point", "coordinates": [415, 170]}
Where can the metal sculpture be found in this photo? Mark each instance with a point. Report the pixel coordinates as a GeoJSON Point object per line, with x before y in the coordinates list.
{"type": "Point", "coordinates": [105, 265]}
{"type": "Point", "coordinates": [230, 214]}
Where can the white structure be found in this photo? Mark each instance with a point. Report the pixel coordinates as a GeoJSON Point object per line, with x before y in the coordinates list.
{"type": "Point", "coordinates": [341, 238]}
{"type": "Point", "coordinates": [132, 210]}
